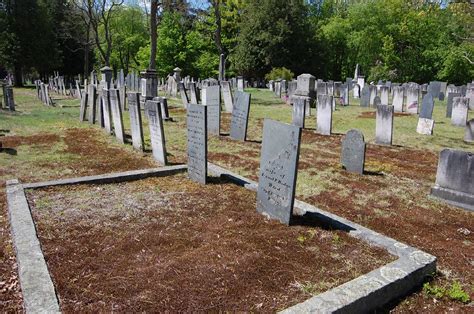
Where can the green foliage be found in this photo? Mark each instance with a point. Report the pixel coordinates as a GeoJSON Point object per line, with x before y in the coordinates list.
{"type": "Point", "coordinates": [279, 73]}
{"type": "Point", "coordinates": [455, 292]}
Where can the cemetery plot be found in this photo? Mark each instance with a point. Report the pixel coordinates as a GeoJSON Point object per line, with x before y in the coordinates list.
{"type": "Point", "coordinates": [171, 244]}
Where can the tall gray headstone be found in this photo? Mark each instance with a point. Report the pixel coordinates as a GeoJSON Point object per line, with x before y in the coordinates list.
{"type": "Point", "coordinates": [427, 105]}
{"type": "Point", "coordinates": [240, 84]}
{"type": "Point", "coordinates": [106, 111]}
{"type": "Point", "coordinates": [182, 92]}
{"type": "Point", "coordinates": [373, 94]}
{"type": "Point", "coordinates": [197, 142]}
{"type": "Point", "coordinates": [192, 89]}
{"type": "Point", "coordinates": [227, 96]}
{"type": "Point", "coordinates": [353, 151]}
{"type": "Point", "coordinates": [83, 110]}
{"type": "Point", "coordinates": [469, 133]}
{"type": "Point", "coordinates": [116, 111]}
{"type": "Point", "coordinates": [324, 114]}
{"type": "Point", "coordinates": [384, 95]}
{"type": "Point", "coordinates": [397, 100]}
{"type": "Point", "coordinates": [412, 100]}
{"type": "Point", "coordinates": [211, 98]}
{"type": "Point", "coordinates": [240, 116]}
{"type": "Point", "coordinates": [470, 96]}
{"type": "Point", "coordinates": [92, 103]}
{"type": "Point", "coordinates": [455, 178]}
{"type": "Point", "coordinates": [136, 125]}
{"type": "Point", "coordinates": [384, 125]}
{"type": "Point", "coordinates": [449, 103]}
{"type": "Point", "coordinates": [460, 110]}
{"type": "Point", "coordinates": [157, 132]}
{"type": "Point", "coordinates": [299, 115]}
{"type": "Point", "coordinates": [278, 170]}
{"type": "Point", "coordinates": [365, 97]}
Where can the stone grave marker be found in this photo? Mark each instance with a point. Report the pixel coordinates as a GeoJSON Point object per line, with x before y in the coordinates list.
{"type": "Point", "coordinates": [356, 90]}
{"type": "Point", "coordinates": [469, 134]}
{"type": "Point", "coordinates": [83, 110]}
{"type": "Point", "coordinates": [397, 100]}
{"type": "Point", "coordinates": [164, 108]}
{"type": "Point", "coordinates": [184, 96]}
{"type": "Point", "coordinates": [365, 97]}
{"type": "Point", "coordinates": [353, 151]}
{"type": "Point", "coordinates": [299, 115]}
{"type": "Point", "coordinates": [211, 98]}
{"type": "Point", "coordinates": [455, 178]}
{"type": "Point", "coordinates": [324, 114]}
{"type": "Point", "coordinates": [384, 94]}
{"type": "Point", "coordinates": [157, 133]}
{"type": "Point", "coordinates": [449, 103]}
{"type": "Point", "coordinates": [459, 112]}
{"type": "Point", "coordinates": [197, 142]}
{"type": "Point", "coordinates": [136, 125]}
{"type": "Point", "coordinates": [192, 89]}
{"type": "Point", "coordinates": [227, 96]}
{"type": "Point", "coordinates": [470, 96]}
{"type": "Point", "coordinates": [240, 84]}
{"type": "Point", "coordinates": [427, 105]}
{"type": "Point", "coordinates": [377, 101]}
{"type": "Point", "coordinates": [442, 90]}
{"type": "Point", "coordinates": [373, 94]}
{"type": "Point", "coordinates": [434, 89]}
{"type": "Point", "coordinates": [278, 170]}
{"type": "Point", "coordinates": [412, 100]}
{"type": "Point", "coordinates": [321, 88]}
{"type": "Point", "coordinates": [92, 102]}
{"type": "Point", "coordinates": [116, 112]}
{"type": "Point", "coordinates": [425, 126]}
{"type": "Point", "coordinates": [106, 110]}
{"type": "Point", "coordinates": [240, 116]}
{"type": "Point", "coordinates": [10, 101]}
{"type": "Point", "coordinates": [384, 125]}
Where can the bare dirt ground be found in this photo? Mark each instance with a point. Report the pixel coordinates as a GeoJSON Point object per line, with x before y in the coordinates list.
{"type": "Point", "coordinates": [168, 244]}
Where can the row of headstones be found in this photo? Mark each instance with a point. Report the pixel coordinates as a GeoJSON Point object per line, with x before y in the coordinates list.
{"type": "Point", "coordinates": [8, 99]}
{"type": "Point", "coordinates": [42, 92]}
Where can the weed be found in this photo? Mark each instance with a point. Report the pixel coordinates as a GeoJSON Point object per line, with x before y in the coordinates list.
{"type": "Point", "coordinates": [455, 292]}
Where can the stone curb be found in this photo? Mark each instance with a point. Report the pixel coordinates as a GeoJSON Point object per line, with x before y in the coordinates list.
{"type": "Point", "coordinates": [368, 292]}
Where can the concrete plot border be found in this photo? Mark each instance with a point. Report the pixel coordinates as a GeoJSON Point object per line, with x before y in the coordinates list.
{"type": "Point", "coordinates": [368, 292]}
{"type": "Point", "coordinates": [39, 294]}
{"type": "Point", "coordinates": [363, 294]}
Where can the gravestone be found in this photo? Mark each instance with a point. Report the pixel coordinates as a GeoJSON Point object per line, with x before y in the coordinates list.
{"type": "Point", "coordinates": [197, 142]}
{"type": "Point", "coordinates": [227, 96]}
{"type": "Point", "coordinates": [353, 151]}
{"type": "Point", "coordinates": [106, 111]}
{"type": "Point", "coordinates": [212, 100]}
{"type": "Point", "coordinates": [434, 89]}
{"type": "Point", "coordinates": [324, 114]}
{"type": "Point", "coordinates": [361, 81]}
{"type": "Point", "coordinates": [397, 100]}
{"type": "Point", "coordinates": [470, 96]}
{"type": "Point", "coordinates": [455, 178]}
{"type": "Point", "coordinates": [240, 84]}
{"type": "Point", "coordinates": [449, 103]}
{"type": "Point", "coordinates": [365, 97]}
{"type": "Point", "coordinates": [427, 105]}
{"type": "Point", "coordinates": [356, 91]}
{"type": "Point", "coordinates": [321, 88]}
{"type": "Point", "coordinates": [377, 101]}
{"type": "Point", "coordinates": [92, 102]}
{"type": "Point", "coordinates": [384, 125]}
{"type": "Point", "coordinates": [469, 133]}
{"type": "Point", "coordinates": [412, 100]}
{"type": "Point", "coordinates": [240, 116]}
{"type": "Point", "coordinates": [83, 110]}
{"type": "Point", "coordinates": [184, 96]}
{"type": "Point", "coordinates": [116, 111]}
{"type": "Point", "coordinates": [192, 89]}
{"type": "Point", "coordinates": [136, 120]}
{"type": "Point", "coordinates": [373, 94]}
{"type": "Point", "coordinates": [425, 126]}
{"type": "Point", "coordinates": [10, 101]}
{"type": "Point", "coordinates": [164, 108]}
{"type": "Point", "coordinates": [278, 170]}
{"type": "Point", "coordinates": [384, 93]}
{"type": "Point", "coordinates": [299, 115]}
{"type": "Point", "coordinates": [460, 110]}
{"type": "Point", "coordinates": [344, 94]}
{"type": "Point", "coordinates": [157, 133]}
{"type": "Point", "coordinates": [442, 90]}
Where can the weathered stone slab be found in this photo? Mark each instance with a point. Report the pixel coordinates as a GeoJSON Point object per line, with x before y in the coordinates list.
{"type": "Point", "coordinates": [83, 108]}
{"type": "Point", "coordinates": [470, 96]}
{"type": "Point", "coordinates": [192, 89]}
{"type": "Point", "coordinates": [321, 88]}
{"type": "Point", "coordinates": [353, 151]}
{"type": "Point", "coordinates": [384, 95]}
{"type": "Point", "coordinates": [106, 111]}
{"type": "Point", "coordinates": [116, 111]}
{"type": "Point", "coordinates": [425, 126]}
{"type": "Point", "coordinates": [455, 178]}
{"type": "Point", "coordinates": [184, 96]}
{"type": "Point", "coordinates": [412, 100]}
{"type": "Point", "coordinates": [92, 102]}
{"type": "Point", "coordinates": [136, 125]}
{"type": "Point", "coordinates": [299, 112]}
{"type": "Point", "coordinates": [278, 170]}
{"type": "Point", "coordinates": [305, 85]}
{"type": "Point", "coordinates": [377, 101]}
{"type": "Point", "coordinates": [240, 84]}
{"type": "Point", "coordinates": [365, 97]}
{"type": "Point", "coordinates": [356, 90]}
{"type": "Point", "coordinates": [164, 108]}
{"type": "Point", "coordinates": [373, 94]}
{"type": "Point", "coordinates": [469, 134]}
{"type": "Point", "coordinates": [427, 106]}
{"type": "Point", "coordinates": [397, 100]}
{"type": "Point", "coordinates": [384, 125]}
{"type": "Point", "coordinates": [240, 116]}
{"type": "Point", "coordinates": [460, 110]}
{"type": "Point", "coordinates": [211, 98]}
{"type": "Point", "coordinates": [227, 96]}
{"type": "Point", "coordinates": [197, 142]}
{"type": "Point", "coordinates": [449, 103]}
{"type": "Point", "coordinates": [324, 114]}
{"type": "Point", "coordinates": [157, 133]}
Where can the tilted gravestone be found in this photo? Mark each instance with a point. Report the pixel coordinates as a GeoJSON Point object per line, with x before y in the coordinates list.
{"type": "Point", "coordinates": [136, 120]}
{"type": "Point", "coordinates": [412, 100]}
{"type": "Point", "coordinates": [384, 94]}
{"type": "Point", "coordinates": [384, 125]}
{"type": "Point", "coordinates": [92, 102]}
{"type": "Point", "coordinates": [397, 100]}
{"type": "Point", "coordinates": [278, 170]}
{"type": "Point", "coordinates": [449, 103]}
{"type": "Point", "coordinates": [227, 96]}
{"type": "Point", "coordinates": [427, 105]}
{"type": "Point", "coordinates": [455, 178]}
{"type": "Point", "coordinates": [192, 89]}
{"type": "Point", "coordinates": [184, 96]}
{"type": "Point", "coordinates": [83, 110]}
{"type": "Point", "coordinates": [460, 110]}
{"type": "Point", "coordinates": [157, 133]}
{"type": "Point", "coordinates": [197, 142]}
{"type": "Point", "coordinates": [106, 111]}
{"type": "Point", "coordinates": [240, 116]}
{"type": "Point", "coordinates": [10, 101]}
{"type": "Point", "coordinates": [211, 98]}
{"type": "Point", "coordinates": [425, 126]}
{"type": "Point", "coordinates": [299, 116]}
{"type": "Point", "coordinates": [469, 134]}
{"type": "Point", "coordinates": [365, 97]}
{"type": "Point", "coordinates": [164, 108]}
{"type": "Point", "coordinates": [353, 151]}
{"type": "Point", "coordinates": [116, 112]}
{"type": "Point", "coordinates": [324, 114]}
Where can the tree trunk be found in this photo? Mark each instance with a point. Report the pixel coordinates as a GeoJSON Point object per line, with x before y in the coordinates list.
{"type": "Point", "coordinates": [18, 76]}
{"type": "Point", "coordinates": [153, 35]}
